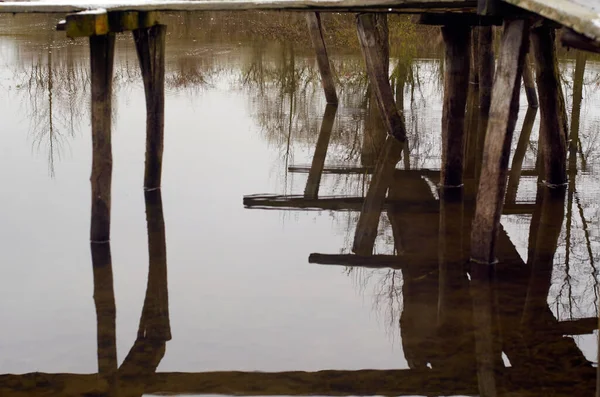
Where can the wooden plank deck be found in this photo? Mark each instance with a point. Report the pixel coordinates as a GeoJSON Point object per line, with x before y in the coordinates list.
{"type": "Point", "coordinates": [65, 6]}
{"type": "Point", "coordinates": [583, 16]}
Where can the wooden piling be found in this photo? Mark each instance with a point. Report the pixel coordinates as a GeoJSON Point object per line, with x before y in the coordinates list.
{"type": "Point", "coordinates": [456, 88]}
{"type": "Point", "coordinates": [372, 34]}
{"type": "Point", "coordinates": [503, 116]}
{"type": "Point", "coordinates": [315, 30]}
{"type": "Point", "coordinates": [150, 46]}
{"type": "Point", "coordinates": [553, 130]}
{"type": "Point", "coordinates": [529, 84]}
{"type": "Point", "coordinates": [486, 72]}
{"type": "Point", "coordinates": [102, 50]}
{"type": "Point", "coordinates": [316, 169]}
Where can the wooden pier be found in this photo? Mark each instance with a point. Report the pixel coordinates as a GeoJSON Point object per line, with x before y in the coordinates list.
{"type": "Point", "coordinates": [483, 179]}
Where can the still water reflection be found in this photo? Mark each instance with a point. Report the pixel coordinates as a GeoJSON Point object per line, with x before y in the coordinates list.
{"type": "Point", "coordinates": [245, 118]}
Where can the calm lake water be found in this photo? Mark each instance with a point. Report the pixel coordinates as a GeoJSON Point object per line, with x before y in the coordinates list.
{"type": "Point", "coordinates": [244, 115]}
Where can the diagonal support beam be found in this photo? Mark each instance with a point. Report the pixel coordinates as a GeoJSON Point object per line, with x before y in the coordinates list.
{"type": "Point", "coordinates": [503, 116]}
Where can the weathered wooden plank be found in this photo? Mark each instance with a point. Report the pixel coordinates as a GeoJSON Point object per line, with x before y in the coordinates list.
{"type": "Point", "coordinates": [553, 123]}
{"type": "Point", "coordinates": [579, 16]}
{"type": "Point", "coordinates": [463, 19]}
{"type": "Point", "coordinates": [503, 117]}
{"type": "Point", "coordinates": [65, 6]}
{"type": "Point", "coordinates": [457, 62]}
{"type": "Point", "coordinates": [150, 46]}
{"type": "Point", "coordinates": [102, 51]}
{"type": "Point", "coordinates": [316, 169]}
{"type": "Point", "coordinates": [315, 30]}
{"type": "Point", "coordinates": [411, 173]}
{"type": "Point", "coordinates": [88, 23]}
{"type": "Point", "coordinates": [572, 39]}
{"type": "Point", "coordinates": [374, 45]}
{"type": "Point", "coordinates": [352, 203]}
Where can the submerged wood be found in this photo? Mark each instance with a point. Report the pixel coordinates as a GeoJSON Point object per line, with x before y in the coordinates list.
{"type": "Point", "coordinates": [102, 50]}
{"type": "Point", "coordinates": [315, 30]}
{"type": "Point", "coordinates": [366, 229]}
{"type": "Point", "coordinates": [150, 46]}
{"type": "Point", "coordinates": [353, 203]}
{"type": "Point", "coordinates": [457, 62]}
{"type": "Point", "coordinates": [553, 133]}
{"type": "Point", "coordinates": [316, 169]}
{"type": "Point", "coordinates": [452, 258]}
{"type": "Point", "coordinates": [406, 173]}
{"type": "Point", "coordinates": [503, 116]}
{"type": "Point", "coordinates": [374, 44]}
{"type": "Point", "coordinates": [529, 83]}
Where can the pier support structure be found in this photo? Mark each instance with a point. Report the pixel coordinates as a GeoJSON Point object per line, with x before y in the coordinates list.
{"type": "Point", "coordinates": [150, 46]}
{"type": "Point", "coordinates": [503, 116]}
{"type": "Point", "coordinates": [315, 30]}
{"type": "Point", "coordinates": [102, 51]}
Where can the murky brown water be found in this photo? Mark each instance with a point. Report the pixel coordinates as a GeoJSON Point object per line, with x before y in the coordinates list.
{"type": "Point", "coordinates": [220, 270]}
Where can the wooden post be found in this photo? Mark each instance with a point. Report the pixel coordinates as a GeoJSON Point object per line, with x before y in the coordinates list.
{"type": "Point", "coordinates": [372, 34]}
{"type": "Point", "coordinates": [150, 46]}
{"type": "Point", "coordinates": [486, 72]}
{"type": "Point", "coordinates": [553, 129]}
{"type": "Point", "coordinates": [315, 29]}
{"type": "Point", "coordinates": [529, 84]}
{"type": "Point", "coordinates": [456, 87]}
{"type": "Point", "coordinates": [366, 229]}
{"type": "Point", "coordinates": [102, 51]}
{"type": "Point", "coordinates": [316, 169]}
{"type": "Point", "coordinates": [503, 116]}
{"type": "Point", "coordinates": [106, 312]}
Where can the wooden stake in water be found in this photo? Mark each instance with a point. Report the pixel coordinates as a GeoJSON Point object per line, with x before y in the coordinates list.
{"type": "Point", "coordinates": [150, 46]}
{"type": "Point", "coordinates": [315, 29]}
{"type": "Point", "coordinates": [503, 116]}
{"type": "Point", "coordinates": [102, 51]}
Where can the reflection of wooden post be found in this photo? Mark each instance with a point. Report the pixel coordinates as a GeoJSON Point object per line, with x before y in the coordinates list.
{"type": "Point", "coordinates": [315, 29]}
{"type": "Point", "coordinates": [553, 132]}
{"type": "Point", "coordinates": [550, 209]}
{"type": "Point", "coordinates": [154, 328]}
{"type": "Point", "coordinates": [366, 229]}
{"type": "Point", "coordinates": [519, 155]}
{"type": "Point", "coordinates": [102, 51]}
{"type": "Point", "coordinates": [486, 331]}
{"type": "Point", "coordinates": [456, 87]}
{"type": "Point", "coordinates": [503, 117]}
{"type": "Point", "coordinates": [318, 162]}
{"type": "Point", "coordinates": [150, 46]}
{"type": "Point", "coordinates": [580, 61]}
{"type": "Point", "coordinates": [106, 312]}
{"type": "Point", "coordinates": [372, 29]}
